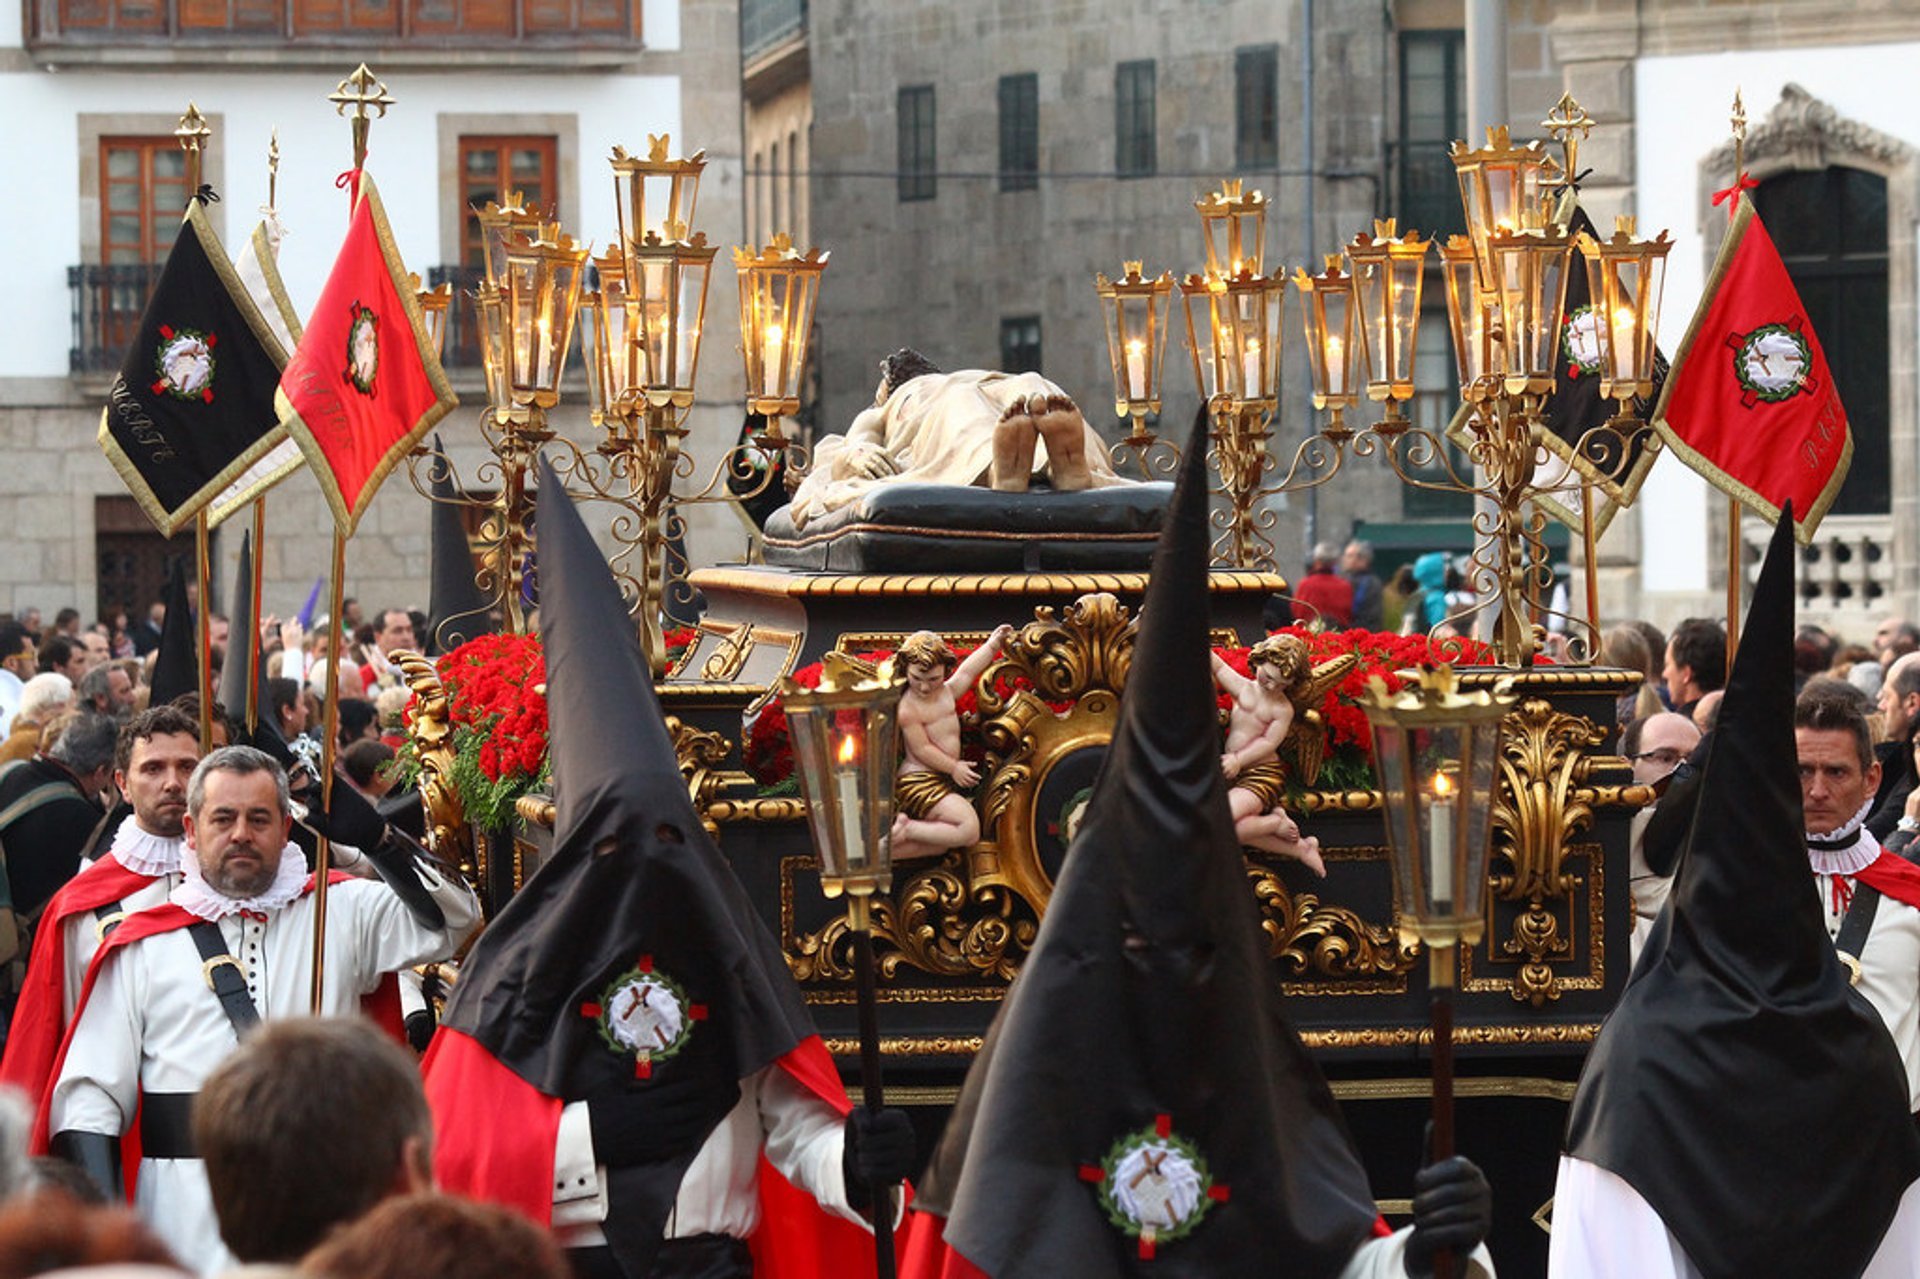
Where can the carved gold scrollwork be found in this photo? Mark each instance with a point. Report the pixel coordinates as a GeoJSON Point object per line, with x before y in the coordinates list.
{"type": "Point", "coordinates": [1538, 808]}
{"type": "Point", "coordinates": [729, 654]}
{"type": "Point", "coordinates": [1090, 648]}
{"type": "Point", "coordinates": [933, 923]}
{"type": "Point", "coordinates": [432, 733]}
{"type": "Point", "coordinates": [1315, 940]}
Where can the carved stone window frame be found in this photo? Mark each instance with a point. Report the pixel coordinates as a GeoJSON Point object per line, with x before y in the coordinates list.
{"type": "Point", "coordinates": [1802, 133]}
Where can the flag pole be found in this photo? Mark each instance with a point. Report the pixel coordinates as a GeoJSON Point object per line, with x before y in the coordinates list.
{"type": "Point", "coordinates": [360, 91]}
{"type": "Point", "coordinates": [192, 133]}
{"type": "Point", "coordinates": [1739, 123]}
{"type": "Point", "coordinates": [1589, 549]}
{"type": "Point", "coordinates": [254, 641]}
{"type": "Point", "coordinates": [331, 727]}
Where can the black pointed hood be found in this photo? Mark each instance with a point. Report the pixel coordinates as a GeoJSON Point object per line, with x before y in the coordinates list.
{"type": "Point", "coordinates": [237, 671]}
{"type": "Point", "coordinates": [634, 884]}
{"type": "Point", "coordinates": [457, 609]}
{"type": "Point", "coordinates": [1149, 1003]}
{"type": "Point", "coordinates": [176, 670]}
{"type": "Point", "coordinates": [1741, 1080]}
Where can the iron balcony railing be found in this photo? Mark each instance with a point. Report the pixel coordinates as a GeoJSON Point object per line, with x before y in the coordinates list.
{"type": "Point", "coordinates": [108, 301]}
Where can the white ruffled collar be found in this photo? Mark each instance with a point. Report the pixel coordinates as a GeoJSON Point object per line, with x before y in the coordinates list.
{"type": "Point", "coordinates": [145, 853]}
{"type": "Point", "coordinates": [1847, 850]}
{"type": "Point", "coordinates": [202, 900]}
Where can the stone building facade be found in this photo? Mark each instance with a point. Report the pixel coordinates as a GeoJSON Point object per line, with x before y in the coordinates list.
{"type": "Point", "coordinates": [933, 247]}
{"type": "Point", "coordinates": [520, 91]}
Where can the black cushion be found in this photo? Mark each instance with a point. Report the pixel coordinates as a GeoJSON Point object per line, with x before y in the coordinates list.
{"type": "Point", "coordinates": [938, 528]}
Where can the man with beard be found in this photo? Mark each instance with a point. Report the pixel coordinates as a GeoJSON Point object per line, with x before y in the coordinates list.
{"type": "Point", "coordinates": [175, 986]}
{"type": "Point", "coordinates": [153, 759]}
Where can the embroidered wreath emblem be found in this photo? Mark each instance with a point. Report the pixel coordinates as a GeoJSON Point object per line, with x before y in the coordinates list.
{"type": "Point", "coordinates": [646, 1015]}
{"type": "Point", "coordinates": [1580, 340]}
{"type": "Point", "coordinates": [363, 348]}
{"type": "Point", "coordinates": [1154, 1186]}
{"type": "Point", "coordinates": [184, 363]}
{"type": "Point", "coordinates": [1772, 363]}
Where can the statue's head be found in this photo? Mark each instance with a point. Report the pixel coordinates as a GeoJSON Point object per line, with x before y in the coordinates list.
{"type": "Point", "coordinates": [1285, 655]}
{"type": "Point", "coordinates": [926, 648]}
{"type": "Point", "coordinates": [901, 367]}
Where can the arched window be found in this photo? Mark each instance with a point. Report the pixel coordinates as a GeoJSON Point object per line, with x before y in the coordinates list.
{"type": "Point", "coordinates": [1830, 226]}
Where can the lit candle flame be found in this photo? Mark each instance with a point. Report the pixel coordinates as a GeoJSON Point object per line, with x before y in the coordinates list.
{"type": "Point", "coordinates": [1442, 785]}
{"type": "Point", "coordinates": [849, 750]}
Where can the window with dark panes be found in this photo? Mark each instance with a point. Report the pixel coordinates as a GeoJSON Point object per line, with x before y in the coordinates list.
{"type": "Point", "coordinates": [143, 193]}
{"type": "Point", "coordinates": [1020, 344]}
{"type": "Point", "coordinates": [1134, 155]}
{"type": "Point", "coordinates": [916, 143]}
{"type": "Point", "coordinates": [1019, 132]}
{"type": "Point", "coordinates": [490, 166]}
{"type": "Point", "coordinates": [1433, 85]}
{"type": "Point", "coordinates": [1830, 226]}
{"type": "Point", "coordinates": [1256, 107]}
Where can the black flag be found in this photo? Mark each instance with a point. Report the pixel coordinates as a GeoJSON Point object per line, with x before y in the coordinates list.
{"type": "Point", "coordinates": [176, 667]}
{"type": "Point", "coordinates": [192, 406]}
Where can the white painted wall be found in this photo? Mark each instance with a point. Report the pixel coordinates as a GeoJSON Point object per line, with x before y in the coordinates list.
{"type": "Point", "coordinates": [1682, 106]}
{"type": "Point", "coordinates": [315, 146]}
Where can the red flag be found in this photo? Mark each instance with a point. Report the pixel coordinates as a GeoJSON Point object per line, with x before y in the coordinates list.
{"type": "Point", "coordinates": [365, 383]}
{"type": "Point", "coordinates": [1750, 403]}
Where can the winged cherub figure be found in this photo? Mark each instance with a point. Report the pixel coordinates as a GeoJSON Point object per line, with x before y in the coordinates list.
{"type": "Point", "coordinates": [1275, 707]}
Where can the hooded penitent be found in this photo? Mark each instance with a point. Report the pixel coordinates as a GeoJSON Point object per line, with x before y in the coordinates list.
{"type": "Point", "coordinates": [1141, 1105]}
{"type": "Point", "coordinates": [457, 609]}
{"type": "Point", "coordinates": [176, 669]}
{"type": "Point", "coordinates": [1742, 1087]}
{"type": "Point", "coordinates": [634, 896]}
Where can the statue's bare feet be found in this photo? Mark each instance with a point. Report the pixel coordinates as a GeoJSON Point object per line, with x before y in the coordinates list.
{"type": "Point", "coordinates": [1059, 423]}
{"type": "Point", "coordinates": [1013, 442]}
{"type": "Point", "coordinates": [1276, 833]}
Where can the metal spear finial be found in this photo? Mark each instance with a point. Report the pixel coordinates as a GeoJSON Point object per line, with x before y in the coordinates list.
{"type": "Point", "coordinates": [192, 131]}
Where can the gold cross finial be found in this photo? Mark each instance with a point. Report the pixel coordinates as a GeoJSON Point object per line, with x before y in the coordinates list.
{"type": "Point", "coordinates": [1738, 122]}
{"type": "Point", "coordinates": [273, 166]}
{"type": "Point", "coordinates": [1739, 118]}
{"type": "Point", "coordinates": [1566, 117]}
{"type": "Point", "coordinates": [192, 132]}
{"type": "Point", "coordinates": [360, 91]}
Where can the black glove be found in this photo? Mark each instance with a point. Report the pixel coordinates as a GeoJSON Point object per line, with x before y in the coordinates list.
{"type": "Point", "coordinates": [420, 1028]}
{"type": "Point", "coordinates": [668, 1115]}
{"type": "Point", "coordinates": [880, 1151]}
{"type": "Point", "coordinates": [348, 818]}
{"type": "Point", "coordinates": [96, 1155]}
{"type": "Point", "coordinates": [1452, 1209]}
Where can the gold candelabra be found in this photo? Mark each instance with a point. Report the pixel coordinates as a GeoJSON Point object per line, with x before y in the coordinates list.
{"type": "Point", "coordinates": [1505, 285]}
{"type": "Point", "coordinates": [644, 319]}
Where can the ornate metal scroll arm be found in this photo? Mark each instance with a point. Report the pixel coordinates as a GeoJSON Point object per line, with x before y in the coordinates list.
{"type": "Point", "coordinates": [432, 732]}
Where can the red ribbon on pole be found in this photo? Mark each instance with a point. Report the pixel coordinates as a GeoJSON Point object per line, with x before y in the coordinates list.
{"type": "Point", "coordinates": [1730, 195]}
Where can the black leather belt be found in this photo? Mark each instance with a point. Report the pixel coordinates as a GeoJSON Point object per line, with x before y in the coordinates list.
{"type": "Point", "coordinates": [166, 1125]}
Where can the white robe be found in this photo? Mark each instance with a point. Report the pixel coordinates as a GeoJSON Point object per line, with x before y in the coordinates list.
{"type": "Point", "coordinates": [153, 1025]}
{"type": "Point", "coordinates": [1386, 1259]}
{"type": "Point", "coordinates": [1889, 962]}
{"type": "Point", "coordinates": [137, 850]}
{"type": "Point", "coordinates": [1603, 1229]}
{"type": "Point", "coordinates": [802, 1136]}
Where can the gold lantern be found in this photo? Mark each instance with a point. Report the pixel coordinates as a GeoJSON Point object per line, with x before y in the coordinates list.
{"type": "Point", "coordinates": [1137, 311]}
{"type": "Point", "coordinates": [1502, 186]}
{"type": "Point", "coordinates": [1233, 331]}
{"type": "Point", "coordinates": [1388, 271]}
{"type": "Point", "coordinates": [1625, 277]}
{"type": "Point", "coordinates": [1530, 285]}
{"type": "Point", "coordinates": [434, 304]}
{"type": "Point", "coordinates": [539, 299]}
{"type": "Point", "coordinates": [1332, 320]}
{"type": "Point", "coordinates": [613, 349]}
{"type": "Point", "coordinates": [779, 286]}
{"type": "Point", "coordinates": [502, 220]}
{"type": "Point", "coordinates": [1235, 226]}
{"type": "Point", "coordinates": [656, 195]}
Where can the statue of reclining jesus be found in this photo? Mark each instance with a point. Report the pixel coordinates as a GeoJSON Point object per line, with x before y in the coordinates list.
{"type": "Point", "coordinates": [970, 427]}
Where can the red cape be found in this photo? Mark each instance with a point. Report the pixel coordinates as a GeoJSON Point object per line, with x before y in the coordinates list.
{"type": "Point", "coordinates": [1894, 876]}
{"type": "Point", "coordinates": [40, 1016]}
{"type": "Point", "coordinates": [383, 1006]}
{"type": "Point", "coordinates": [494, 1136]}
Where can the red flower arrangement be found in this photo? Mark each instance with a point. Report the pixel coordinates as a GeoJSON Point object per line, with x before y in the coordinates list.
{"type": "Point", "coordinates": [1349, 758]}
{"type": "Point", "coordinates": [498, 711]}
